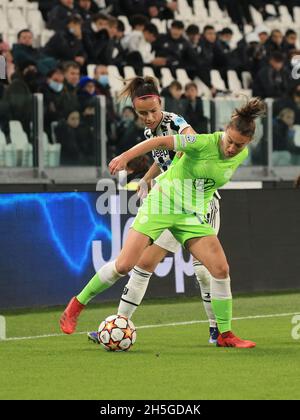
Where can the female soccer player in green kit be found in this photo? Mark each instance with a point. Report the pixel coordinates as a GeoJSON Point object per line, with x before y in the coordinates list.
{"type": "Point", "coordinates": [208, 163]}
{"type": "Point", "coordinates": [144, 95]}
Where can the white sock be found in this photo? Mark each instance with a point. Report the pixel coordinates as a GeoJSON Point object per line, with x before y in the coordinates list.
{"type": "Point", "coordinates": [134, 291]}
{"type": "Point", "coordinates": [204, 279]}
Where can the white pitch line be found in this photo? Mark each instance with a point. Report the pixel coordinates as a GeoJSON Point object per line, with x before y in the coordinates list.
{"type": "Point", "coordinates": [173, 324]}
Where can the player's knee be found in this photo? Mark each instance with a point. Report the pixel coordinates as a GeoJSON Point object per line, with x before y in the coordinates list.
{"type": "Point", "coordinates": [221, 271]}
{"type": "Point", "coordinates": [147, 266]}
{"type": "Point", "coordinates": [123, 267]}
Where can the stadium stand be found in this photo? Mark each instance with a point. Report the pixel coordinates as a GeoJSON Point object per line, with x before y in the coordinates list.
{"type": "Point", "coordinates": [237, 47]}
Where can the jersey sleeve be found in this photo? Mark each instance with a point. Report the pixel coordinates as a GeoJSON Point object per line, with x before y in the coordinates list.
{"type": "Point", "coordinates": [178, 123]}
{"type": "Point", "coordinates": [189, 143]}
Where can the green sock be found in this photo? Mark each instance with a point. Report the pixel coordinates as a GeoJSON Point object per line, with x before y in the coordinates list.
{"type": "Point", "coordinates": [223, 311]}
{"type": "Point", "coordinates": [92, 289]}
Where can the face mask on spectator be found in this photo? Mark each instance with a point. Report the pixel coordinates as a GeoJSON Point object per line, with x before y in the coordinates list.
{"type": "Point", "coordinates": [103, 80]}
{"type": "Point", "coordinates": [56, 86]}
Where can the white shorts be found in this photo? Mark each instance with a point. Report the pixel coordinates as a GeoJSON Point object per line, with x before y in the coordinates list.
{"type": "Point", "coordinates": [169, 243]}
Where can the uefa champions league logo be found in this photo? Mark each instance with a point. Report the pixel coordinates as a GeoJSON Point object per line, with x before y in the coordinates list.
{"type": "Point", "coordinates": [2, 67]}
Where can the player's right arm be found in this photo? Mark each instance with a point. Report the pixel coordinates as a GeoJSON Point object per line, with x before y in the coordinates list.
{"type": "Point", "coordinates": [120, 162]}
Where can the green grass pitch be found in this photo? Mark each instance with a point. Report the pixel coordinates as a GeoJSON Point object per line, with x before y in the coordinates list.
{"type": "Point", "coordinates": [169, 362]}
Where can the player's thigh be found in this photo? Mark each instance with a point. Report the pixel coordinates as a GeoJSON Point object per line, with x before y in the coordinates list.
{"type": "Point", "coordinates": [210, 252]}
{"type": "Point", "coordinates": [132, 251]}
{"type": "Point", "coordinates": [151, 257]}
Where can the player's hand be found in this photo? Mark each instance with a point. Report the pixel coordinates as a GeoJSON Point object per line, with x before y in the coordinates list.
{"type": "Point", "coordinates": [118, 164]}
{"type": "Point", "coordinates": [143, 188]}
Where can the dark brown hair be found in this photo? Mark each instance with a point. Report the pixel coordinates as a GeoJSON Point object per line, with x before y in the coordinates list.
{"type": "Point", "coordinates": [243, 119]}
{"type": "Point", "coordinates": [139, 86]}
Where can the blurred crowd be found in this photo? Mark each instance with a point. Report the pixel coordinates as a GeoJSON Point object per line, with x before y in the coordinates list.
{"type": "Point", "coordinates": [90, 32]}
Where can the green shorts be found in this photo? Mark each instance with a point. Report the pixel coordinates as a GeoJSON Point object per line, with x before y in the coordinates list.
{"type": "Point", "coordinates": [152, 219]}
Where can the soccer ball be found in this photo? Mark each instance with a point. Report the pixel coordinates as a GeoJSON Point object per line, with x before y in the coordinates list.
{"type": "Point", "coordinates": [117, 333]}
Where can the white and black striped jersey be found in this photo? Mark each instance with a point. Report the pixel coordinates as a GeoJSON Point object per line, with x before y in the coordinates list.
{"type": "Point", "coordinates": [170, 125]}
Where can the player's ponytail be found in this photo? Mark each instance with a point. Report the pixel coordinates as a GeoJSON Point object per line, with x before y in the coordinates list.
{"type": "Point", "coordinates": [139, 87]}
{"type": "Point", "coordinates": [243, 119]}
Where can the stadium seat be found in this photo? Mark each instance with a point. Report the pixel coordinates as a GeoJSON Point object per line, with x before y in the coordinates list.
{"type": "Point", "coordinates": [17, 134]}
{"type": "Point", "coordinates": [91, 70]}
{"type": "Point", "coordinates": [285, 16]}
{"type": "Point", "coordinates": [35, 22]}
{"type": "Point", "coordinates": [3, 22]}
{"type": "Point", "coordinates": [115, 79]}
{"type": "Point", "coordinates": [297, 15]}
{"type": "Point", "coordinates": [160, 24]}
{"type": "Point", "coordinates": [46, 34]}
{"type": "Point", "coordinates": [166, 77]}
{"type": "Point", "coordinates": [148, 71]}
{"type": "Point", "coordinates": [184, 9]}
{"type": "Point", "coordinates": [202, 88]}
{"type": "Point", "coordinates": [247, 79]}
{"type": "Point", "coordinates": [217, 80]}
{"type": "Point", "coordinates": [129, 72]}
{"type": "Point", "coordinates": [234, 82]}
{"type": "Point", "coordinates": [182, 77]}
{"type": "Point", "coordinates": [214, 11]}
{"type": "Point", "coordinates": [256, 16]}
{"type": "Point", "coordinates": [27, 156]}
{"type": "Point", "coordinates": [10, 156]}
{"type": "Point", "coordinates": [200, 10]}
{"type": "Point", "coordinates": [16, 19]}
{"type": "Point", "coordinates": [127, 25]}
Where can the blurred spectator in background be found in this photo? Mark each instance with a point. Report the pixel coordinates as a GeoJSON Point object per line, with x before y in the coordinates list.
{"type": "Point", "coordinates": [76, 139]}
{"type": "Point", "coordinates": [135, 45]}
{"type": "Point", "coordinates": [211, 56]}
{"type": "Point", "coordinates": [274, 43]}
{"type": "Point", "coordinates": [52, 90]}
{"type": "Point", "coordinates": [133, 134]}
{"type": "Point", "coordinates": [23, 51]}
{"type": "Point", "coordinates": [162, 9]}
{"type": "Point", "coordinates": [289, 41]}
{"type": "Point", "coordinates": [84, 8]}
{"type": "Point", "coordinates": [67, 44]}
{"type": "Point", "coordinates": [177, 50]}
{"type": "Point", "coordinates": [17, 98]}
{"type": "Point", "coordinates": [272, 81]}
{"type": "Point", "coordinates": [72, 76]}
{"type": "Point", "coordinates": [136, 169]}
{"type": "Point", "coordinates": [193, 109]}
{"type": "Point", "coordinates": [87, 93]}
{"type": "Point", "coordinates": [263, 33]}
{"type": "Point", "coordinates": [224, 39]}
{"type": "Point", "coordinates": [120, 30]}
{"type": "Point", "coordinates": [283, 129]}
{"type": "Point", "coordinates": [127, 117]}
{"type": "Point", "coordinates": [95, 37]}
{"type": "Point", "coordinates": [193, 35]}
{"type": "Point", "coordinates": [172, 95]}
{"type": "Point", "coordinates": [291, 101]}
{"type": "Point", "coordinates": [59, 16]}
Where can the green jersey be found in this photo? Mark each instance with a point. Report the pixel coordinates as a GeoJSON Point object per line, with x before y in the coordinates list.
{"type": "Point", "coordinates": [202, 169]}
